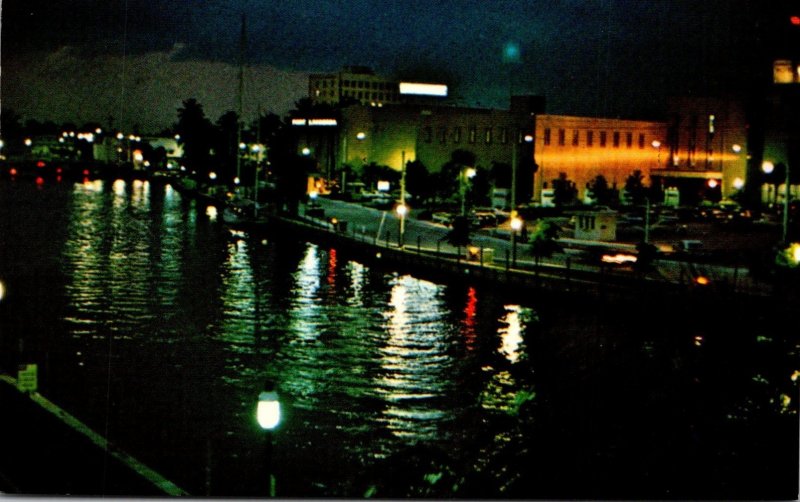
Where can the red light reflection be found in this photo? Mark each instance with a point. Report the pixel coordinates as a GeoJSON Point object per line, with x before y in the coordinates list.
{"type": "Point", "coordinates": [470, 311]}
{"type": "Point", "coordinates": [332, 267]}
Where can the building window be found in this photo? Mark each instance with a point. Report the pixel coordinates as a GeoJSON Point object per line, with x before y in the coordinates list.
{"type": "Point", "coordinates": [711, 126]}
{"type": "Point", "coordinates": [426, 134]}
{"type": "Point", "coordinates": [472, 134]}
{"type": "Point", "coordinates": [457, 134]}
{"type": "Point", "coordinates": [443, 135]}
{"type": "Point", "coordinates": [629, 139]}
{"type": "Point", "coordinates": [641, 141]}
{"type": "Point", "coordinates": [488, 135]}
{"type": "Point", "coordinates": [504, 135]}
{"type": "Point", "coordinates": [589, 138]}
{"type": "Point", "coordinates": [615, 139]}
{"type": "Point", "coordinates": [575, 137]}
{"type": "Point", "coordinates": [602, 139]}
{"type": "Point", "coordinates": [562, 137]}
{"type": "Point", "coordinates": [547, 136]}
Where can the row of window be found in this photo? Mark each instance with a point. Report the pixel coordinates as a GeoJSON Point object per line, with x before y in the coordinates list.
{"type": "Point", "coordinates": [617, 138]}
{"type": "Point", "coordinates": [358, 84]}
{"type": "Point", "coordinates": [454, 135]}
{"type": "Point", "coordinates": [374, 96]}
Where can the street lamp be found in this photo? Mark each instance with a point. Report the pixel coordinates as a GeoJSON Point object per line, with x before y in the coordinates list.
{"type": "Point", "coordinates": [466, 173]}
{"type": "Point", "coordinates": [768, 167]}
{"type": "Point", "coordinates": [268, 415]}
{"type": "Point", "coordinates": [402, 210]}
{"type": "Point", "coordinates": [516, 225]}
{"type": "Point", "coordinates": [657, 145]}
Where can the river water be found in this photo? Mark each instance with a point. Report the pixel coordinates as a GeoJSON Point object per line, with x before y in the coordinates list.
{"type": "Point", "coordinates": [157, 326]}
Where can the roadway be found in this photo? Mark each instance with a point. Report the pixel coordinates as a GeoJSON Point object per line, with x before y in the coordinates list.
{"type": "Point", "coordinates": [383, 225]}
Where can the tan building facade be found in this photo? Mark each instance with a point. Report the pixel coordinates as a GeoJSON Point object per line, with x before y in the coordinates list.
{"type": "Point", "coordinates": [585, 147]}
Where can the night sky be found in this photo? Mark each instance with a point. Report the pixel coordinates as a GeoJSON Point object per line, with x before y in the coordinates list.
{"type": "Point", "coordinates": [136, 60]}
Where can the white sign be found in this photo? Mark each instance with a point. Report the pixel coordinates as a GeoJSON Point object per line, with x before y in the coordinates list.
{"type": "Point", "coordinates": [423, 89]}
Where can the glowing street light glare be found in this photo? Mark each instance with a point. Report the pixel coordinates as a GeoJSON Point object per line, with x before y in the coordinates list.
{"type": "Point", "coordinates": [268, 412]}
{"type": "Point", "coordinates": [736, 148]}
{"type": "Point", "coordinates": [402, 210]}
{"type": "Point", "coordinates": [236, 180]}
{"type": "Point", "coordinates": [28, 142]}
{"type": "Point", "coordinates": [470, 172]}
{"type": "Point", "coordinates": [360, 135]}
{"type": "Point", "coordinates": [2, 290]}
{"type": "Point", "coordinates": [738, 183]}
{"type": "Point", "coordinates": [767, 166]}
{"type": "Point", "coordinates": [516, 223]}
{"type": "Point", "coordinates": [212, 175]}
{"type": "Point", "coordinates": [712, 183]}
{"type": "Point", "coordinates": [656, 143]}
{"type": "Point", "coordinates": [528, 138]}
{"type": "Point", "coordinates": [306, 151]}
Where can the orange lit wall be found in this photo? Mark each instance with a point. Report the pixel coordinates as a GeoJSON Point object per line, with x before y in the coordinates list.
{"type": "Point", "coordinates": [585, 147]}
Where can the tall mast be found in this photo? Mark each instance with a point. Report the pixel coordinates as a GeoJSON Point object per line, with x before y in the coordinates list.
{"type": "Point", "coordinates": [239, 94]}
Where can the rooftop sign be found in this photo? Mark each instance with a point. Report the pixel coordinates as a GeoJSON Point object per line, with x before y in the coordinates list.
{"type": "Point", "coordinates": [314, 122]}
{"type": "Point", "coordinates": [423, 89]}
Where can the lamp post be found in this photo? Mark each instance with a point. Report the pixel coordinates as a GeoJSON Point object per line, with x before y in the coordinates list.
{"type": "Point", "coordinates": [466, 173]}
{"type": "Point", "coordinates": [268, 415]}
{"type": "Point", "coordinates": [516, 225]}
{"type": "Point", "coordinates": [768, 167]}
{"type": "Point", "coordinates": [402, 210]}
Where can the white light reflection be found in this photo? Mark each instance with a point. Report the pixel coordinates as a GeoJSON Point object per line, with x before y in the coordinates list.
{"type": "Point", "coordinates": [211, 212]}
{"type": "Point", "coordinates": [510, 332]}
{"type": "Point", "coordinates": [415, 360]}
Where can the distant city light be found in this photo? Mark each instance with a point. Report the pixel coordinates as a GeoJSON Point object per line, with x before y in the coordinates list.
{"type": "Point", "coordinates": [306, 151]}
{"type": "Point", "coordinates": [28, 142]}
{"type": "Point", "coordinates": [712, 183]}
{"type": "Point", "coordinates": [767, 166]}
{"type": "Point", "coordinates": [423, 89]}
{"type": "Point", "coordinates": [383, 186]}
{"type": "Point", "coordinates": [2, 290]}
{"type": "Point", "coordinates": [738, 183]}
{"type": "Point", "coordinates": [656, 143]}
{"type": "Point", "coordinates": [360, 135]}
{"type": "Point", "coordinates": [212, 175]}
{"type": "Point", "coordinates": [795, 20]}
{"type": "Point", "coordinates": [736, 148]}
{"type": "Point", "coordinates": [402, 210]}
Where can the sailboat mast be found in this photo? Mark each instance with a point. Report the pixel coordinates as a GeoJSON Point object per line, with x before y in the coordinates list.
{"type": "Point", "coordinates": [239, 95]}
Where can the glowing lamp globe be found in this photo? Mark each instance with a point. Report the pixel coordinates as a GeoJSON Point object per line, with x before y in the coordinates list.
{"type": "Point", "coordinates": [268, 412]}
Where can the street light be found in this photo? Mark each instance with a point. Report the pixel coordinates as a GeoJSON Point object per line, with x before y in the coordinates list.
{"type": "Point", "coordinates": [466, 173]}
{"type": "Point", "coordinates": [516, 225]}
{"type": "Point", "coordinates": [402, 210]}
{"type": "Point", "coordinates": [268, 415]}
{"type": "Point", "coordinates": [768, 167]}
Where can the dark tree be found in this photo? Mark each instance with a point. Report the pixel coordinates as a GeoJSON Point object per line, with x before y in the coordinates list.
{"type": "Point", "coordinates": [418, 181]}
{"type": "Point", "coordinates": [564, 191]}
{"type": "Point", "coordinates": [543, 239]}
{"type": "Point", "coordinates": [635, 189]}
{"type": "Point", "coordinates": [197, 137]}
{"type": "Point", "coordinates": [601, 192]}
{"type": "Point", "coordinates": [226, 146]}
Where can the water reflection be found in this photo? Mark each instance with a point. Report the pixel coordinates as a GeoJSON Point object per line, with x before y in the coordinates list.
{"type": "Point", "coordinates": [168, 325]}
{"type": "Point", "coordinates": [415, 360]}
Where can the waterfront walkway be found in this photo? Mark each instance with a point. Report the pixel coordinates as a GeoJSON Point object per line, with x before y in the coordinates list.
{"type": "Point", "coordinates": [379, 230]}
{"type": "Point", "coordinates": [47, 451]}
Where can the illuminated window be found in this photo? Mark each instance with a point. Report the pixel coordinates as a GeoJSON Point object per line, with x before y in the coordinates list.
{"type": "Point", "coordinates": [575, 137]}
{"type": "Point", "coordinates": [472, 134]}
{"type": "Point", "coordinates": [602, 138]}
{"type": "Point", "coordinates": [629, 139]}
{"type": "Point", "coordinates": [711, 120]}
{"type": "Point", "coordinates": [589, 138]}
{"type": "Point", "coordinates": [487, 134]}
{"type": "Point", "coordinates": [547, 136]}
{"type": "Point", "coordinates": [504, 135]}
{"type": "Point", "coordinates": [562, 137]}
{"type": "Point", "coordinates": [457, 134]}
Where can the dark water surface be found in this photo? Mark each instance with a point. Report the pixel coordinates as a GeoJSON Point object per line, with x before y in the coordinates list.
{"type": "Point", "coordinates": [157, 326]}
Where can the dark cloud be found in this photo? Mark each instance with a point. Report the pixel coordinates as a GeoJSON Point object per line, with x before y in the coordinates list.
{"type": "Point", "coordinates": [609, 57]}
